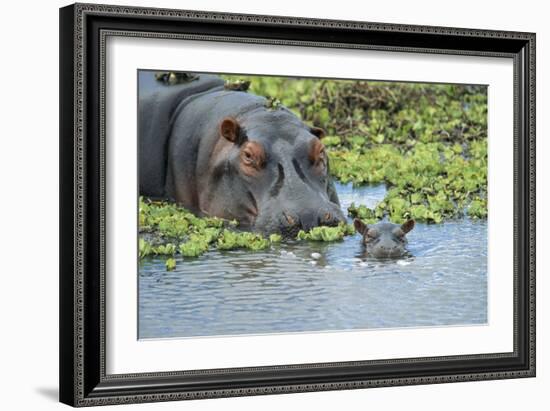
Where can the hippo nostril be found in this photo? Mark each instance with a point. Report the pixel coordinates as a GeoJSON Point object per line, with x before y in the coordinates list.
{"type": "Point", "coordinates": [289, 219]}
{"type": "Point", "coordinates": [307, 219]}
{"type": "Point", "coordinates": [329, 218]}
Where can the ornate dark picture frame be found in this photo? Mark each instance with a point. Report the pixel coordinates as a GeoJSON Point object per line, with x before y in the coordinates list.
{"type": "Point", "coordinates": [83, 30]}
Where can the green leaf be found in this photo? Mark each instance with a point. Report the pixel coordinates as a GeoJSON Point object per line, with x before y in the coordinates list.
{"type": "Point", "coordinates": [170, 264]}
{"type": "Point", "coordinates": [419, 212]}
{"type": "Point", "coordinates": [331, 141]}
{"type": "Point", "coordinates": [478, 208]}
{"type": "Point", "coordinates": [275, 238]}
{"type": "Point", "coordinates": [327, 234]}
{"type": "Point", "coordinates": [378, 138]}
{"type": "Point", "coordinates": [194, 247]}
{"type": "Point", "coordinates": [145, 248]}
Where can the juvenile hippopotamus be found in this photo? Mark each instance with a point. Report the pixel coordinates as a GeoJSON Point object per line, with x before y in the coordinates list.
{"type": "Point", "coordinates": [384, 240]}
{"type": "Point", "coordinates": [231, 154]}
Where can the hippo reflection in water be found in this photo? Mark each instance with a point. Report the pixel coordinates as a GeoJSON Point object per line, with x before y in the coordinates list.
{"type": "Point", "coordinates": [384, 240]}
{"type": "Point", "coordinates": [227, 153]}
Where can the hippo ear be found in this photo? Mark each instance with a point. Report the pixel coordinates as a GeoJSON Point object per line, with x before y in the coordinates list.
{"type": "Point", "coordinates": [360, 227]}
{"type": "Point", "coordinates": [316, 131]}
{"type": "Point", "coordinates": [232, 131]}
{"type": "Point", "coordinates": [407, 226]}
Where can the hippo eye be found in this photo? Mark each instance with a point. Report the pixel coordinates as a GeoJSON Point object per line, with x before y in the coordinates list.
{"type": "Point", "coordinates": [248, 157]}
{"type": "Point", "coordinates": [252, 157]}
{"type": "Point", "coordinates": [372, 234]}
{"type": "Point", "coordinates": [322, 156]}
{"type": "Point", "coordinates": [321, 163]}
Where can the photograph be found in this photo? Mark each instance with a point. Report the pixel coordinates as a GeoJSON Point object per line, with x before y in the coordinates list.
{"type": "Point", "coordinates": [271, 202]}
{"type": "Point", "coordinates": [277, 205]}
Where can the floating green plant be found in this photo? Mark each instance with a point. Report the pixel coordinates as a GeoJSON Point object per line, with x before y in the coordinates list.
{"type": "Point", "coordinates": [275, 238]}
{"type": "Point", "coordinates": [167, 229]}
{"type": "Point", "coordinates": [430, 182]}
{"type": "Point", "coordinates": [203, 234]}
{"type": "Point", "coordinates": [328, 234]}
{"type": "Point", "coordinates": [170, 264]}
{"type": "Point", "coordinates": [165, 249]}
{"type": "Point", "coordinates": [193, 248]}
{"type": "Point", "coordinates": [478, 208]}
{"type": "Point", "coordinates": [426, 142]}
{"type": "Point", "coordinates": [229, 240]}
{"type": "Point", "coordinates": [362, 212]}
{"type": "Point", "coordinates": [144, 248]}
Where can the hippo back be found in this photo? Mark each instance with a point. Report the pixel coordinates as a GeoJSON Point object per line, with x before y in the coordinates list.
{"type": "Point", "coordinates": [156, 111]}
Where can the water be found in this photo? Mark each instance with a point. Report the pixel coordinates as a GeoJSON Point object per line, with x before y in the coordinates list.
{"type": "Point", "coordinates": [284, 289]}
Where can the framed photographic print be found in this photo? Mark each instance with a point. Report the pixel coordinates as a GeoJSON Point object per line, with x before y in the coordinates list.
{"type": "Point", "coordinates": [261, 204]}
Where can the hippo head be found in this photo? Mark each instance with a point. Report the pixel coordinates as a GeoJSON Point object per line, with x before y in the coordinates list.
{"type": "Point", "coordinates": [270, 172]}
{"type": "Point", "coordinates": [384, 240]}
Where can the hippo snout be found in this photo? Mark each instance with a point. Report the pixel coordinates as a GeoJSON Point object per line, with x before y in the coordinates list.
{"type": "Point", "coordinates": [307, 219]}
{"type": "Point", "coordinates": [331, 218]}
{"type": "Point", "coordinates": [383, 251]}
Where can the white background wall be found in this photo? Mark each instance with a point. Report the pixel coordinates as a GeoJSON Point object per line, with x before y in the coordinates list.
{"type": "Point", "coordinates": [29, 204]}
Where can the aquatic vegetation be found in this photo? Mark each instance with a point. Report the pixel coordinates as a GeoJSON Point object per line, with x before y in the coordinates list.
{"type": "Point", "coordinates": [170, 264]}
{"type": "Point", "coordinates": [229, 240]}
{"type": "Point", "coordinates": [421, 185]}
{"type": "Point", "coordinates": [275, 238]}
{"type": "Point", "coordinates": [194, 247]}
{"type": "Point", "coordinates": [321, 234]}
{"type": "Point", "coordinates": [169, 221]}
{"type": "Point", "coordinates": [332, 141]}
{"type": "Point", "coordinates": [195, 236]}
{"type": "Point", "coordinates": [367, 215]}
{"type": "Point", "coordinates": [167, 229]}
{"type": "Point", "coordinates": [328, 234]}
{"type": "Point", "coordinates": [426, 142]}
{"type": "Point", "coordinates": [144, 248]}
{"type": "Point", "coordinates": [165, 249]}
{"type": "Point", "coordinates": [478, 208]}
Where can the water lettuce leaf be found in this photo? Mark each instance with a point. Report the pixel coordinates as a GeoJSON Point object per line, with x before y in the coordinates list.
{"type": "Point", "coordinates": [170, 264]}
{"type": "Point", "coordinates": [326, 234]}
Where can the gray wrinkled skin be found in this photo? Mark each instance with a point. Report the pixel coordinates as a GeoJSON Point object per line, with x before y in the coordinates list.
{"type": "Point", "coordinates": [384, 240]}
{"type": "Point", "coordinates": [193, 140]}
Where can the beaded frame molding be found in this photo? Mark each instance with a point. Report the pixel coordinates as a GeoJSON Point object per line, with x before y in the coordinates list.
{"type": "Point", "coordinates": [83, 32]}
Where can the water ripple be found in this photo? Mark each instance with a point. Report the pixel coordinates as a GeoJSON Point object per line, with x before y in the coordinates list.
{"type": "Point", "coordinates": [285, 289]}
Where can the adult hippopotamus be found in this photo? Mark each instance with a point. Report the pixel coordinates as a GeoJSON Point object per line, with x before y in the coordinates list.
{"type": "Point", "coordinates": [384, 239]}
{"type": "Point", "coordinates": [231, 154]}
